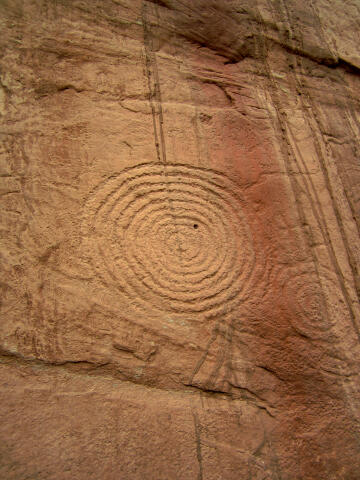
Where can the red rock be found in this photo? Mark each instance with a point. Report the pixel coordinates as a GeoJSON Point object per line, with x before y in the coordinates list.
{"type": "Point", "coordinates": [180, 240]}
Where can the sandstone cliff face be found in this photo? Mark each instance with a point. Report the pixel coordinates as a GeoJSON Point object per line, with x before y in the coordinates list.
{"type": "Point", "coordinates": [180, 239]}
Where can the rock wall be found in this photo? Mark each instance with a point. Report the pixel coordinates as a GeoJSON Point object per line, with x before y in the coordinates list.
{"type": "Point", "coordinates": [180, 239]}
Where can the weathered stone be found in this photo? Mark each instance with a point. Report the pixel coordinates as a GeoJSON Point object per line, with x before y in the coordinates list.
{"type": "Point", "coordinates": [180, 240]}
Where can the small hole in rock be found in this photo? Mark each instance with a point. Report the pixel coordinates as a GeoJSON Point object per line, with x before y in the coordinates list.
{"type": "Point", "coordinates": [196, 226]}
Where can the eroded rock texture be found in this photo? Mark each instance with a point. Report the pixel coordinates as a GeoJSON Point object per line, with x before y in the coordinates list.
{"type": "Point", "coordinates": [180, 239]}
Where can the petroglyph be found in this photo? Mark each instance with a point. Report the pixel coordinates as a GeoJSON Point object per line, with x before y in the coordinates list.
{"type": "Point", "coordinates": [173, 236]}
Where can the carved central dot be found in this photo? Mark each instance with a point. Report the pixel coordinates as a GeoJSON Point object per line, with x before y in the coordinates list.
{"type": "Point", "coordinates": [196, 226]}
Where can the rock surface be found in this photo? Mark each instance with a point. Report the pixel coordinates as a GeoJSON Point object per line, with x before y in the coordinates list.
{"type": "Point", "coordinates": [180, 239]}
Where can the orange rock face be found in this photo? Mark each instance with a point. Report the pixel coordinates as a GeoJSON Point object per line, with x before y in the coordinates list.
{"type": "Point", "coordinates": [180, 240]}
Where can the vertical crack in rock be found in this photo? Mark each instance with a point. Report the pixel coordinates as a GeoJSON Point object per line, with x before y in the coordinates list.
{"type": "Point", "coordinates": [198, 444]}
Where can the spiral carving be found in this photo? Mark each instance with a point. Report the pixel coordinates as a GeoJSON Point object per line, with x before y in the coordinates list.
{"type": "Point", "coordinates": [171, 236]}
{"type": "Point", "coordinates": [303, 293]}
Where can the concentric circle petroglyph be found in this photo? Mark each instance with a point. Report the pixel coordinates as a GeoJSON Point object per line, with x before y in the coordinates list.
{"type": "Point", "coordinates": [302, 292]}
{"type": "Point", "coordinates": [171, 236]}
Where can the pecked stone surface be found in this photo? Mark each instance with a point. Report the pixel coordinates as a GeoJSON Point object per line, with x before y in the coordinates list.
{"type": "Point", "coordinates": [180, 240]}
